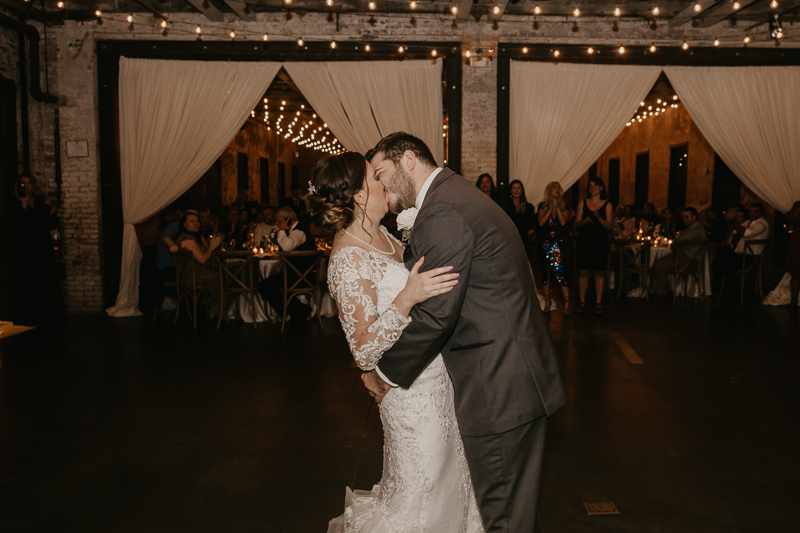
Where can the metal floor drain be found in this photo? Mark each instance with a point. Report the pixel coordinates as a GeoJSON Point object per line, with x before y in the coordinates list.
{"type": "Point", "coordinates": [600, 508]}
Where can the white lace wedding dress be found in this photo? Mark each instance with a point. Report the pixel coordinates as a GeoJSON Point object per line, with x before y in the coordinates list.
{"type": "Point", "coordinates": [426, 485]}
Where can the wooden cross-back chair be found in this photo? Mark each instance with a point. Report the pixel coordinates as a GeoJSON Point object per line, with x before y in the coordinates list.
{"type": "Point", "coordinates": [301, 275]}
{"type": "Point", "coordinates": [753, 269]}
{"type": "Point", "coordinates": [632, 263]}
{"type": "Point", "coordinates": [692, 266]}
{"type": "Point", "coordinates": [188, 286]}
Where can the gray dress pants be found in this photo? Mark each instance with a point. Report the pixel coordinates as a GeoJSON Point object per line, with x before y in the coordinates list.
{"type": "Point", "coordinates": [506, 472]}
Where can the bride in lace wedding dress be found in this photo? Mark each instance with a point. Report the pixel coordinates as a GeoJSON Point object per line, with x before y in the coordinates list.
{"type": "Point", "coordinates": [425, 485]}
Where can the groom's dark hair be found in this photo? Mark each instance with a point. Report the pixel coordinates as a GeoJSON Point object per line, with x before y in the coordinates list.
{"type": "Point", "coordinates": [394, 145]}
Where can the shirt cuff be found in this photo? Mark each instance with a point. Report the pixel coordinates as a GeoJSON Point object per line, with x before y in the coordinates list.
{"type": "Point", "coordinates": [384, 378]}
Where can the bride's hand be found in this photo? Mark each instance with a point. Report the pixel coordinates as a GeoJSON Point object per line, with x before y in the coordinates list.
{"type": "Point", "coordinates": [421, 286]}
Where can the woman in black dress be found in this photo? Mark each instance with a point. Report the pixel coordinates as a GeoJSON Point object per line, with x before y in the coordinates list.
{"type": "Point", "coordinates": [523, 214]}
{"type": "Point", "coordinates": [594, 219]}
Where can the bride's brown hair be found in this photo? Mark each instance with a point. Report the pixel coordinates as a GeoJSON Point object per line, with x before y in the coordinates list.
{"type": "Point", "coordinates": [336, 180]}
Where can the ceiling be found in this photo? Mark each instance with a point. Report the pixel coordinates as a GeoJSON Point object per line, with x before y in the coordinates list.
{"type": "Point", "coordinates": [675, 13]}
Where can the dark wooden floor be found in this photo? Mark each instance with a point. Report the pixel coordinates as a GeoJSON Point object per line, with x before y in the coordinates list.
{"type": "Point", "coordinates": [121, 425]}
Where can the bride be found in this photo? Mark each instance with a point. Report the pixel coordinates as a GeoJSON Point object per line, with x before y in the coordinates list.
{"type": "Point", "coordinates": [425, 485]}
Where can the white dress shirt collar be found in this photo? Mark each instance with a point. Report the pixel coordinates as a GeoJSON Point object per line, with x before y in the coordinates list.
{"type": "Point", "coordinates": [425, 186]}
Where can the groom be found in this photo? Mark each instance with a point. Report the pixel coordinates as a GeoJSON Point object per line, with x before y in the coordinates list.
{"type": "Point", "coordinates": [489, 329]}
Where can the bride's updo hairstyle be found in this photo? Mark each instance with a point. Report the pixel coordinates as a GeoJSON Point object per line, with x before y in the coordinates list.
{"type": "Point", "coordinates": [337, 179]}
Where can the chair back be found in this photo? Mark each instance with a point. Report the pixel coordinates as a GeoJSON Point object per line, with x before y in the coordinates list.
{"type": "Point", "coordinates": [749, 247]}
{"type": "Point", "coordinates": [692, 253]}
{"type": "Point", "coordinates": [184, 268]}
{"type": "Point", "coordinates": [301, 271]}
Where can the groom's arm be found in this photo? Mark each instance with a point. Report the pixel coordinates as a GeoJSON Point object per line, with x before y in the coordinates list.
{"type": "Point", "coordinates": [441, 236]}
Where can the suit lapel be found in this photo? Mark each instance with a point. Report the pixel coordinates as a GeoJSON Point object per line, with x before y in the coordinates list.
{"type": "Point", "coordinates": [409, 257]}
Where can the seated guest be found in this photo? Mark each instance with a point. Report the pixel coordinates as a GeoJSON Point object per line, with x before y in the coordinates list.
{"type": "Point", "coordinates": [207, 223]}
{"type": "Point", "coordinates": [690, 239]}
{"type": "Point", "coordinates": [649, 214]}
{"type": "Point", "coordinates": [232, 226]}
{"type": "Point", "coordinates": [168, 242]}
{"type": "Point", "coordinates": [267, 225]}
{"type": "Point", "coordinates": [668, 223]}
{"type": "Point", "coordinates": [735, 215]}
{"type": "Point", "coordinates": [292, 236]}
{"type": "Point", "coordinates": [244, 226]}
{"type": "Point", "coordinates": [715, 226]}
{"type": "Point", "coordinates": [633, 224]}
{"type": "Point", "coordinates": [206, 274]}
{"type": "Point", "coordinates": [729, 259]}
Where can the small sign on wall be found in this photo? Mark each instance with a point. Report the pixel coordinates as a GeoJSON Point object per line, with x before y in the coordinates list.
{"type": "Point", "coordinates": [77, 148]}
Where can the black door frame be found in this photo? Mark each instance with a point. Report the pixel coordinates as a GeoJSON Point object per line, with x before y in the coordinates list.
{"type": "Point", "coordinates": [609, 55]}
{"type": "Point", "coordinates": [108, 56]}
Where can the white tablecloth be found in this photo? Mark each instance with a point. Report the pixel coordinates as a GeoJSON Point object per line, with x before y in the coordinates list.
{"type": "Point", "coordinates": [265, 312]}
{"type": "Point", "coordinates": [687, 284]}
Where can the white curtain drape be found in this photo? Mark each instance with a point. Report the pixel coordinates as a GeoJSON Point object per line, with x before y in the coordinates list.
{"type": "Point", "coordinates": [564, 116]}
{"type": "Point", "coordinates": [365, 100]}
{"type": "Point", "coordinates": [750, 117]}
{"type": "Point", "coordinates": [176, 118]}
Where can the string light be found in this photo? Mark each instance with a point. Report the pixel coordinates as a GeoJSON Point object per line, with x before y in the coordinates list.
{"type": "Point", "coordinates": [621, 50]}
{"type": "Point", "coordinates": [287, 2]}
{"type": "Point", "coordinates": [434, 53]}
{"type": "Point", "coordinates": [468, 54]}
{"type": "Point", "coordinates": [163, 23]}
{"type": "Point", "coordinates": [233, 35]}
{"type": "Point", "coordinates": [685, 45]}
{"type": "Point", "coordinates": [367, 48]}
{"type": "Point", "coordinates": [300, 41]}
{"type": "Point", "coordinates": [401, 49]}
{"type": "Point", "coordinates": [698, 8]}
{"type": "Point", "coordinates": [617, 12]}
{"type": "Point", "coordinates": [496, 10]}
{"type": "Point", "coordinates": [590, 50]}
{"type": "Point", "coordinates": [413, 5]}
{"type": "Point", "coordinates": [98, 13]}
{"type": "Point", "coordinates": [652, 48]}
{"type": "Point", "coordinates": [774, 4]}
{"type": "Point", "coordinates": [716, 42]}
{"type": "Point", "coordinates": [454, 10]}
{"type": "Point", "coordinates": [130, 19]}
{"type": "Point", "coordinates": [537, 10]}
{"type": "Point", "coordinates": [736, 6]}
{"type": "Point", "coordinates": [266, 37]}
{"type": "Point", "coordinates": [746, 39]}
{"type": "Point", "coordinates": [525, 50]}
{"type": "Point", "coordinates": [576, 13]}
{"type": "Point", "coordinates": [656, 11]}
{"type": "Point", "coordinates": [329, 3]}
{"type": "Point", "coordinates": [60, 5]}
{"type": "Point", "coordinates": [371, 6]}
{"type": "Point", "coordinates": [556, 53]}
{"type": "Point", "coordinates": [333, 44]}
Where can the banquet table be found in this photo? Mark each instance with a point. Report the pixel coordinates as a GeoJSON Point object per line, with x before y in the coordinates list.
{"type": "Point", "coordinates": [687, 286]}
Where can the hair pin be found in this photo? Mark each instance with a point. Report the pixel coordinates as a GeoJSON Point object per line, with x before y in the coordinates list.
{"type": "Point", "coordinates": [311, 188]}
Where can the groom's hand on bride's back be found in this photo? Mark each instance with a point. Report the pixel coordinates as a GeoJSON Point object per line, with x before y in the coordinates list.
{"type": "Point", "coordinates": [375, 385]}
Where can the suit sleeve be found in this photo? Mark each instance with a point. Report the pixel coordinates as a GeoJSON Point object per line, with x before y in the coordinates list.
{"type": "Point", "coordinates": [441, 236]}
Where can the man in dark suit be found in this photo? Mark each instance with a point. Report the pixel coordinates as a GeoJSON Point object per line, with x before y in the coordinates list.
{"type": "Point", "coordinates": [489, 329]}
{"type": "Point", "coordinates": [295, 201]}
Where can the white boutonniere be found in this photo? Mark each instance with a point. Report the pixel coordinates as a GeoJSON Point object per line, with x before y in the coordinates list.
{"type": "Point", "coordinates": [405, 222]}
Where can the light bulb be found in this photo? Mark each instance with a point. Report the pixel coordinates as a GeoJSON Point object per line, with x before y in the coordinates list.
{"type": "Point", "coordinates": [300, 42]}
{"type": "Point", "coordinates": [496, 10]}
{"type": "Point", "coordinates": [556, 53]}
{"type": "Point", "coordinates": [736, 6]}
{"type": "Point", "coordinates": [774, 4]}
{"type": "Point", "coordinates": [468, 53]}
{"type": "Point", "coordinates": [367, 48]}
{"type": "Point", "coordinates": [576, 13]}
{"type": "Point", "coordinates": [617, 12]}
{"type": "Point", "coordinates": [329, 3]}
{"type": "Point", "coordinates": [674, 96]}
{"type": "Point", "coordinates": [266, 37]}
{"type": "Point", "coordinates": [413, 5]}
{"type": "Point", "coordinates": [652, 48]}
{"type": "Point", "coordinates": [287, 2]}
{"type": "Point", "coordinates": [621, 50]}
{"type": "Point", "coordinates": [716, 42]}
{"type": "Point", "coordinates": [130, 18]}
{"type": "Point", "coordinates": [233, 35]}
{"type": "Point", "coordinates": [98, 13]}
{"type": "Point", "coordinates": [525, 50]}
{"type": "Point", "coordinates": [401, 49]}
{"type": "Point", "coordinates": [434, 53]}
{"type": "Point", "coordinates": [656, 11]}
{"type": "Point", "coordinates": [746, 39]}
{"type": "Point", "coordinates": [698, 8]}
{"type": "Point", "coordinates": [537, 10]}
{"type": "Point", "coordinates": [333, 44]}
{"type": "Point", "coordinates": [454, 10]}
{"type": "Point", "coordinates": [60, 5]}
{"type": "Point", "coordinates": [371, 6]}
{"type": "Point", "coordinates": [685, 46]}
{"type": "Point", "coordinates": [163, 23]}
{"type": "Point", "coordinates": [198, 30]}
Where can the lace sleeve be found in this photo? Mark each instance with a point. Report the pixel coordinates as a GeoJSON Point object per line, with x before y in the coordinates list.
{"type": "Point", "coordinates": [353, 280]}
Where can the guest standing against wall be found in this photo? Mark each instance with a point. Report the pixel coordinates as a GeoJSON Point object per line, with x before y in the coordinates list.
{"type": "Point", "coordinates": [553, 219]}
{"type": "Point", "coordinates": [594, 218]}
{"type": "Point", "coordinates": [486, 184]}
{"type": "Point", "coordinates": [35, 288]}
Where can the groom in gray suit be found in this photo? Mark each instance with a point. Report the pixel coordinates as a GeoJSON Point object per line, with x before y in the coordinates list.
{"type": "Point", "coordinates": [489, 329]}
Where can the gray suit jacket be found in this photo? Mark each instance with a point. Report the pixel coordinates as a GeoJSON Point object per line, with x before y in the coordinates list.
{"type": "Point", "coordinates": [490, 329]}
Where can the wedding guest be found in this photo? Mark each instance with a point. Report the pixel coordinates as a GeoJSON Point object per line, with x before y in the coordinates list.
{"type": "Point", "coordinates": [649, 214]}
{"type": "Point", "coordinates": [207, 222]}
{"type": "Point", "coordinates": [295, 201]}
{"type": "Point", "coordinates": [553, 219]}
{"type": "Point", "coordinates": [486, 184]}
{"type": "Point", "coordinates": [735, 215]}
{"type": "Point", "coordinates": [244, 226]}
{"type": "Point", "coordinates": [36, 289]}
{"type": "Point", "coordinates": [231, 227]}
{"type": "Point", "coordinates": [635, 222]}
{"type": "Point", "coordinates": [168, 242]}
{"type": "Point", "coordinates": [715, 226]}
{"type": "Point", "coordinates": [292, 236]}
{"type": "Point", "coordinates": [668, 223]}
{"type": "Point", "coordinates": [619, 219]}
{"type": "Point", "coordinates": [691, 240]}
{"type": "Point", "coordinates": [729, 260]}
{"type": "Point", "coordinates": [593, 223]}
{"type": "Point", "coordinates": [793, 254]}
{"type": "Point", "coordinates": [206, 274]}
{"type": "Point", "coordinates": [523, 214]}
{"type": "Point", "coordinates": [267, 225]}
